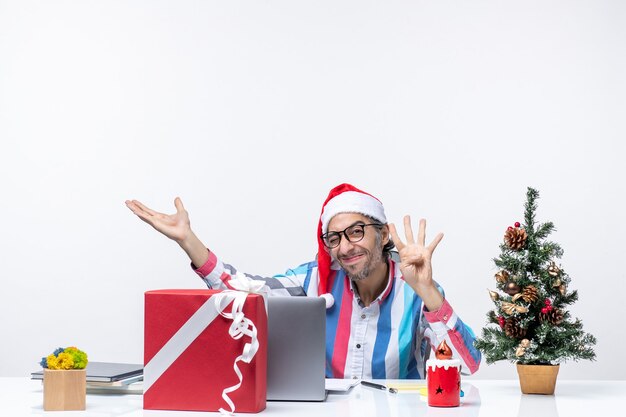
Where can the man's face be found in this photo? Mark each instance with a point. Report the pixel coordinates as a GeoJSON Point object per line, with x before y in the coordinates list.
{"type": "Point", "coordinates": [360, 258]}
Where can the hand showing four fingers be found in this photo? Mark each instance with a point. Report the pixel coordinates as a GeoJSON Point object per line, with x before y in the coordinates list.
{"type": "Point", "coordinates": [416, 261]}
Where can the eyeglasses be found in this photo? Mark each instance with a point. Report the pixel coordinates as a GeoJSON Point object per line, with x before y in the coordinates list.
{"type": "Point", "coordinates": [354, 233]}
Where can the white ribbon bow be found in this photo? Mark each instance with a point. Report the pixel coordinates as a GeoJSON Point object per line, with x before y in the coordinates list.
{"type": "Point", "coordinates": [241, 325]}
{"type": "Point", "coordinates": [241, 283]}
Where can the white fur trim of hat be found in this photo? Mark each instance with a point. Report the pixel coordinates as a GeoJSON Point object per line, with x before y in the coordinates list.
{"type": "Point", "coordinates": [353, 202]}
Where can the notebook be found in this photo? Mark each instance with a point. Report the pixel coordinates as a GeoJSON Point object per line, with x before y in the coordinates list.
{"type": "Point", "coordinates": [106, 372]}
{"type": "Point", "coordinates": [296, 351]}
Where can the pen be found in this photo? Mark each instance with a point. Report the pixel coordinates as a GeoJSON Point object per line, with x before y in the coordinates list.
{"type": "Point", "coordinates": [378, 386]}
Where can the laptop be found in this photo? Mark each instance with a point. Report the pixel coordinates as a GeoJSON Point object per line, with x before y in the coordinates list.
{"type": "Point", "coordinates": [296, 351]}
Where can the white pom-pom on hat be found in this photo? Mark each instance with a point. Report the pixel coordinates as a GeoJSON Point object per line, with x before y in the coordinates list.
{"type": "Point", "coordinates": [329, 299]}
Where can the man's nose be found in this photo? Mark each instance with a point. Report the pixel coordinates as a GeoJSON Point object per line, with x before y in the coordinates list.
{"type": "Point", "coordinates": [345, 245]}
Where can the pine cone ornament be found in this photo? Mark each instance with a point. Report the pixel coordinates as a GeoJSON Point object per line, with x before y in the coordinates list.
{"type": "Point", "coordinates": [515, 238]}
{"type": "Point", "coordinates": [551, 315]}
{"type": "Point", "coordinates": [512, 329]}
{"type": "Point", "coordinates": [529, 294]}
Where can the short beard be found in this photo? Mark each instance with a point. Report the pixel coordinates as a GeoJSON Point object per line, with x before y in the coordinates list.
{"type": "Point", "coordinates": [367, 269]}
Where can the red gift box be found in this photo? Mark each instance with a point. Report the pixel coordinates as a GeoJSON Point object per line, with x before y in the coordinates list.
{"type": "Point", "coordinates": [189, 353]}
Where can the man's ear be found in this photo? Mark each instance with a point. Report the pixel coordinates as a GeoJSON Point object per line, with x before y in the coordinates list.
{"type": "Point", "coordinates": [385, 234]}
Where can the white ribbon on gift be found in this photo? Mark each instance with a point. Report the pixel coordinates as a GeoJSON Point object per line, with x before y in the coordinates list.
{"type": "Point", "coordinates": [240, 327]}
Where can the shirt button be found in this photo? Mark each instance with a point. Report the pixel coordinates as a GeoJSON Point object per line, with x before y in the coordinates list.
{"type": "Point", "coordinates": [358, 346]}
{"type": "Point", "coordinates": [363, 316]}
{"type": "Point", "coordinates": [445, 317]}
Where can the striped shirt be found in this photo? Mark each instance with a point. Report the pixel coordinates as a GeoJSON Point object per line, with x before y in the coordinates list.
{"type": "Point", "coordinates": [389, 339]}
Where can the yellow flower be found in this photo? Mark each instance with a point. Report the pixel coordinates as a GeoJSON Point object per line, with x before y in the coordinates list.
{"type": "Point", "coordinates": [66, 361]}
{"type": "Point", "coordinates": [53, 362]}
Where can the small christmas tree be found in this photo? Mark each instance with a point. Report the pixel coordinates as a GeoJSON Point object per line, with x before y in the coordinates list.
{"type": "Point", "coordinates": [533, 326]}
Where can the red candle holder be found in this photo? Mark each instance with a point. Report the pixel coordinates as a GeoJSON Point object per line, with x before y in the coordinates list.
{"type": "Point", "coordinates": [444, 382]}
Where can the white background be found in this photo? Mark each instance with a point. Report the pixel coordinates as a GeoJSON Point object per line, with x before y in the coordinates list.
{"type": "Point", "coordinates": [251, 111]}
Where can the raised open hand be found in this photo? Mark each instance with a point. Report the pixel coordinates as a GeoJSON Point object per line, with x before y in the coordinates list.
{"type": "Point", "coordinates": [416, 261]}
{"type": "Point", "coordinates": [175, 226]}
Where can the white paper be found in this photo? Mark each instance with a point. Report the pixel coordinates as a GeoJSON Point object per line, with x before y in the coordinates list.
{"type": "Point", "coordinates": [341, 385]}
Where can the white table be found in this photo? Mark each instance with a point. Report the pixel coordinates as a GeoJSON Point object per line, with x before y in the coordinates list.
{"type": "Point", "coordinates": [484, 398]}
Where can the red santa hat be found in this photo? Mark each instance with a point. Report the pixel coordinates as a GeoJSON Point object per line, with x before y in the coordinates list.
{"type": "Point", "coordinates": [344, 198]}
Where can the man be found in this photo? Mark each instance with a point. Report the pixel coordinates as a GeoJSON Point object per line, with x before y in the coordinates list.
{"type": "Point", "coordinates": [383, 315]}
